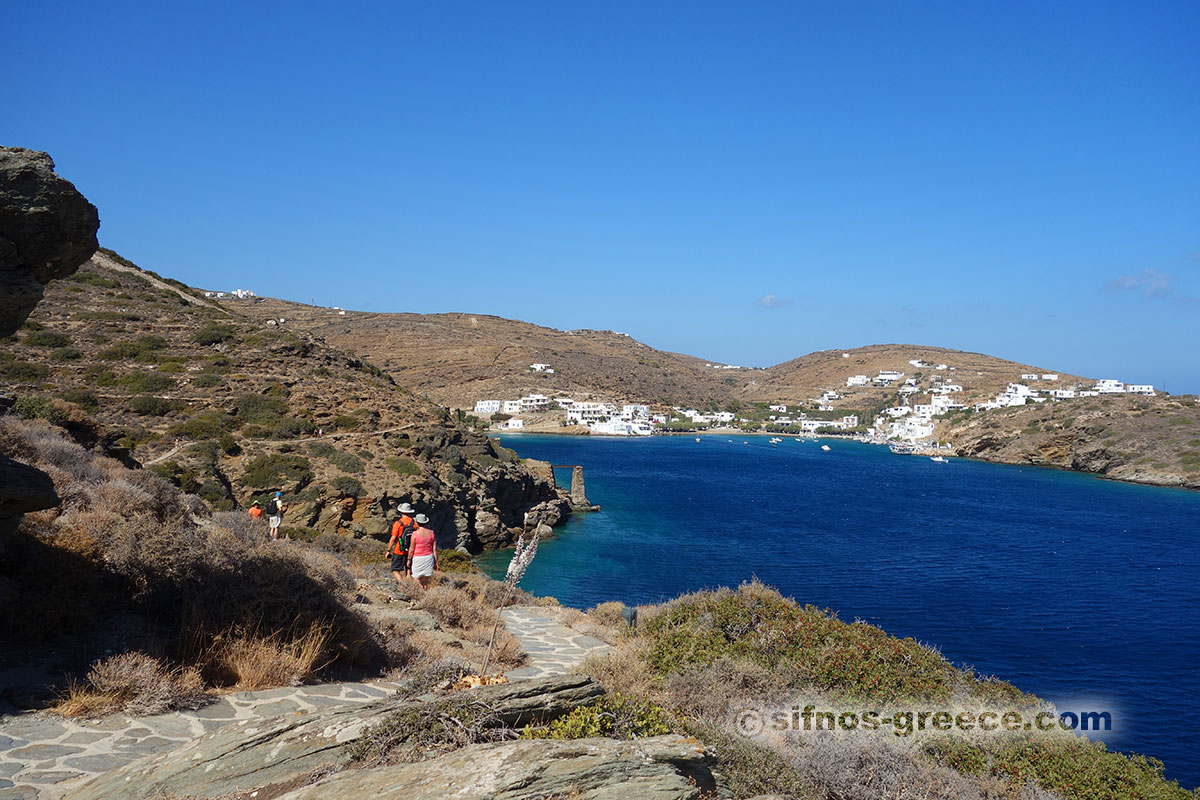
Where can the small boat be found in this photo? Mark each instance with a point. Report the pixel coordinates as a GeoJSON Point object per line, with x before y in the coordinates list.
{"type": "Point", "coordinates": [824, 447]}
{"type": "Point", "coordinates": [697, 438]}
{"type": "Point", "coordinates": [938, 459]}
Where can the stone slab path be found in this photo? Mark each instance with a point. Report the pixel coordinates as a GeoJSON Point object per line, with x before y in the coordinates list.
{"type": "Point", "coordinates": [553, 648]}
{"type": "Point", "coordinates": [42, 755]}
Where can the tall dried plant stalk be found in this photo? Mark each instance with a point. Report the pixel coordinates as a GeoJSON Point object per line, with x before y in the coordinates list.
{"type": "Point", "coordinates": [522, 558]}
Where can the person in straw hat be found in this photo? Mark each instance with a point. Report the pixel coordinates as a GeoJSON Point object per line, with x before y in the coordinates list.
{"type": "Point", "coordinates": [397, 547]}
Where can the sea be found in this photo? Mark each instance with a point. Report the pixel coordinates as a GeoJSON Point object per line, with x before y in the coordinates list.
{"type": "Point", "coordinates": [1080, 590]}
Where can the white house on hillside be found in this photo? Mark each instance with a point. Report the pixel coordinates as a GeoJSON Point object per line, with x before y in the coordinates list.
{"type": "Point", "coordinates": [512, 406]}
{"type": "Point", "coordinates": [487, 406]}
{"type": "Point", "coordinates": [856, 380]}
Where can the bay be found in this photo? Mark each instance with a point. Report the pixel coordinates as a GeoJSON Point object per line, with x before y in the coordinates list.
{"type": "Point", "coordinates": [1064, 584]}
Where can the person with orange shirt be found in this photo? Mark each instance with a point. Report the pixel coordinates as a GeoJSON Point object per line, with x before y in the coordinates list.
{"type": "Point", "coordinates": [398, 545]}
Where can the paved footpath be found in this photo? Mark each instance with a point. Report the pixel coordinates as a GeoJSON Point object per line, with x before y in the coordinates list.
{"type": "Point", "coordinates": [553, 648]}
{"type": "Point", "coordinates": [42, 755]}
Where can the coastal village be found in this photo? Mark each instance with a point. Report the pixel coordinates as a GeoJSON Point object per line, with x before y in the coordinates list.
{"type": "Point", "coordinates": [916, 402]}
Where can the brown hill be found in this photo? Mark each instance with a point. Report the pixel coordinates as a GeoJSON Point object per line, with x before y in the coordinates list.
{"type": "Point", "coordinates": [231, 408]}
{"type": "Point", "coordinates": [457, 359]}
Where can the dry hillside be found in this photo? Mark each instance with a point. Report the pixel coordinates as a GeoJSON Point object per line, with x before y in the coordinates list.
{"type": "Point", "coordinates": [231, 408]}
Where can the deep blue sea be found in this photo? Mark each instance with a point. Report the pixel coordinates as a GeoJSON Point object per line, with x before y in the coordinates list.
{"type": "Point", "coordinates": [1066, 585]}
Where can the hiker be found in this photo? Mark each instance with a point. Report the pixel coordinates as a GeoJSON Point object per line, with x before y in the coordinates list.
{"type": "Point", "coordinates": [422, 552]}
{"type": "Point", "coordinates": [397, 546]}
{"type": "Point", "coordinates": [275, 509]}
{"type": "Point", "coordinates": [255, 510]}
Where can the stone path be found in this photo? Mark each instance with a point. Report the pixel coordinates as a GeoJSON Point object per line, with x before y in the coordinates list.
{"type": "Point", "coordinates": [42, 755]}
{"type": "Point", "coordinates": [553, 648]}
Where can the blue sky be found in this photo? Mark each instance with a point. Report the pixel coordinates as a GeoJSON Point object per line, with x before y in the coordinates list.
{"type": "Point", "coordinates": [744, 182]}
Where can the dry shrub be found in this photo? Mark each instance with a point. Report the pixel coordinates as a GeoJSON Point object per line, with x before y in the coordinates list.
{"type": "Point", "coordinates": [609, 614]}
{"type": "Point", "coordinates": [134, 526]}
{"type": "Point", "coordinates": [623, 670]}
{"type": "Point", "coordinates": [588, 624]}
{"type": "Point", "coordinates": [873, 767]}
{"type": "Point", "coordinates": [710, 692]}
{"type": "Point", "coordinates": [255, 661]}
{"type": "Point", "coordinates": [241, 526]}
{"type": "Point", "coordinates": [456, 608]}
{"type": "Point", "coordinates": [136, 684]}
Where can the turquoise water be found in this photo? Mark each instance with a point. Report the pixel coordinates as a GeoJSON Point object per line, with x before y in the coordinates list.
{"type": "Point", "coordinates": [1066, 585]}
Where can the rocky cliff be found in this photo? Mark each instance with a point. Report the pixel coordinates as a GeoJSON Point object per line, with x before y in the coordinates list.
{"type": "Point", "coordinates": [1152, 440]}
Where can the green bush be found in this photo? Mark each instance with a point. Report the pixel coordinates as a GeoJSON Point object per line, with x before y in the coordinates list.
{"type": "Point", "coordinates": [107, 316]}
{"type": "Point", "coordinates": [206, 381]}
{"type": "Point", "coordinates": [612, 716]}
{"type": "Point", "coordinates": [260, 409]}
{"type": "Point", "coordinates": [145, 382]}
{"type": "Point", "coordinates": [147, 405]}
{"type": "Point", "coordinates": [405, 466]}
{"type": "Point", "coordinates": [47, 339]}
{"type": "Point", "coordinates": [347, 462]}
{"type": "Point", "coordinates": [321, 449]}
{"type": "Point", "coordinates": [347, 486]}
{"type": "Point", "coordinates": [40, 407]}
{"type": "Point", "coordinates": [758, 624]}
{"type": "Point", "coordinates": [270, 470]}
{"type": "Point", "coordinates": [93, 279]}
{"type": "Point", "coordinates": [61, 354]}
{"type": "Point", "coordinates": [121, 351]}
{"type": "Point", "coordinates": [24, 371]}
{"type": "Point", "coordinates": [81, 397]}
{"type": "Point", "coordinates": [228, 444]}
{"type": "Point", "coordinates": [345, 422]}
{"type": "Point", "coordinates": [214, 333]}
{"type": "Point", "coordinates": [205, 425]}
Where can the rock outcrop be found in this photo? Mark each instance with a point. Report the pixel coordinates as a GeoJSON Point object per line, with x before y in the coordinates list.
{"type": "Point", "coordinates": [275, 756]}
{"type": "Point", "coordinates": [657, 768]}
{"type": "Point", "coordinates": [47, 229]}
{"type": "Point", "coordinates": [23, 489]}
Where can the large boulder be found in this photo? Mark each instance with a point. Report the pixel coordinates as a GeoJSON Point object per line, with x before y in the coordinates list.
{"type": "Point", "coordinates": [22, 489]}
{"type": "Point", "coordinates": [47, 229]}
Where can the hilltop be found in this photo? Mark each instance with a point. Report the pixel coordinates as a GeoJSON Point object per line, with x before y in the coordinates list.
{"type": "Point", "coordinates": [231, 408]}
{"type": "Point", "coordinates": [457, 359]}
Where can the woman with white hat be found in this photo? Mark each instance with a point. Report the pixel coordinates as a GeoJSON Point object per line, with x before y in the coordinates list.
{"type": "Point", "coordinates": [422, 552]}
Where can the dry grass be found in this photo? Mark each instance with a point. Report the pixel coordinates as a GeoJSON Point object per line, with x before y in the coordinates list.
{"type": "Point", "coordinates": [623, 670]}
{"type": "Point", "coordinates": [125, 540]}
{"type": "Point", "coordinates": [136, 684]}
{"type": "Point", "coordinates": [250, 661]}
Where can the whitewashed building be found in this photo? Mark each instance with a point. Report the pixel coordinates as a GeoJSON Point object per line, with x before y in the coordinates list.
{"type": "Point", "coordinates": [856, 380]}
{"type": "Point", "coordinates": [886, 377]}
{"type": "Point", "coordinates": [1050, 376]}
{"type": "Point", "coordinates": [635, 410]}
{"type": "Point", "coordinates": [487, 406]}
{"type": "Point", "coordinates": [511, 406]}
{"type": "Point", "coordinates": [1109, 386]}
{"type": "Point", "coordinates": [534, 402]}
{"type": "Point", "coordinates": [1135, 388]}
{"type": "Point", "coordinates": [541, 368]}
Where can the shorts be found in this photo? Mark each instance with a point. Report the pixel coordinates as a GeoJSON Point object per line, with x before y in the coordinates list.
{"type": "Point", "coordinates": [400, 563]}
{"type": "Point", "coordinates": [274, 521]}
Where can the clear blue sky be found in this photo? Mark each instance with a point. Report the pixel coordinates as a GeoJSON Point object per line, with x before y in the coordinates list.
{"type": "Point", "coordinates": [745, 182]}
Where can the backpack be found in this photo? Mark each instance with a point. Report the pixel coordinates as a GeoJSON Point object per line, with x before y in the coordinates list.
{"type": "Point", "coordinates": [404, 540]}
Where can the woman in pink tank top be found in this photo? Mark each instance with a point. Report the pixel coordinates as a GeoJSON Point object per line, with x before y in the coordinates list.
{"type": "Point", "coordinates": [422, 552]}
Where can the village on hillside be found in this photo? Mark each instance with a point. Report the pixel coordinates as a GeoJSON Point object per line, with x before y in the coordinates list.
{"type": "Point", "coordinates": [908, 418]}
